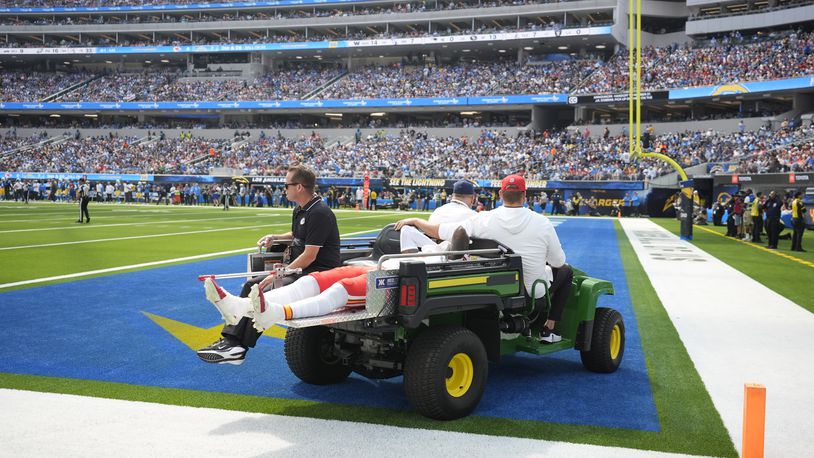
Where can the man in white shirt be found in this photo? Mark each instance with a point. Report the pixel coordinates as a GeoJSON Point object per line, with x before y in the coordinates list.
{"type": "Point", "coordinates": [525, 232]}
{"type": "Point", "coordinates": [458, 209]}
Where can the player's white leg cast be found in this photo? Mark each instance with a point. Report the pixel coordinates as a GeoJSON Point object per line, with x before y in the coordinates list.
{"type": "Point", "coordinates": [266, 314]}
{"type": "Point", "coordinates": [231, 308]}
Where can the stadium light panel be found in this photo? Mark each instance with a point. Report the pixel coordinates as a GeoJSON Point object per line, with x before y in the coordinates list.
{"type": "Point", "coordinates": [600, 46]}
{"type": "Point", "coordinates": [378, 114]}
{"type": "Point", "coordinates": [165, 61]}
{"type": "Point", "coordinates": [469, 113]}
{"type": "Point", "coordinates": [562, 48]}
{"type": "Point", "coordinates": [54, 115]}
{"type": "Point", "coordinates": [67, 63]}
{"type": "Point", "coordinates": [501, 50]}
{"type": "Point", "coordinates": [91, 115]}
{"type": "Point", "coordinates": [334, 115]}
{"type": "Point", "coordinates": [528, 48]}
{"type": "Point", "coordinates": [108, 61]}
{"type": "Point", "coordinates": [466, 50]}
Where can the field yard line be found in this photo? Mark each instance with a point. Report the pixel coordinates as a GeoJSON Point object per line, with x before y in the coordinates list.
{"type": "Point", "coordinates": [137, 266]}
{"type": "Point", "coordinates": [134, 237]}
{"type": "Point", "coordinates": [172, 234]}
{"type": "Point", "coordinates": [73, 206]}
{"type": "Point", "coordinates": [75, 226]}
{"type": "Point", "coordinates": [84, 426]}
{"type": "Point", "coordinates": [736, 331]}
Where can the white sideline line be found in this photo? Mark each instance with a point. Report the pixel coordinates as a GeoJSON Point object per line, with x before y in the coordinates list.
{"type": "Point", "coordinates": [137, 266]}
{"type": "Point", "coordinates": [135, 237]}
{"type": "Point", "coordinates": [736, 331]}
{"type": "Point", "coordinates": [69, 207]}
{"type": "Point", "coordinates": [75, 226]}
{"type": "Point", "coordinates": [113, 239]}
{"type": "Point", "coordinates": [84, 426]}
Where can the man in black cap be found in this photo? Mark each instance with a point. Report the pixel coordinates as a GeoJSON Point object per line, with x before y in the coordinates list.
{"type": "Point", "coordinates": [459, 207]}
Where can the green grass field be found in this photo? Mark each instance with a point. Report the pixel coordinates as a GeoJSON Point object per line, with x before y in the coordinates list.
{"type": "Point", "coordinates": [48, 244]}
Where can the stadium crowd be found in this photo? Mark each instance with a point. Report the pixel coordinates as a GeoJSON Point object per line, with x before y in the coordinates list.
{"type": "Point", "coordinates": [293, 83]}
{"type": "Point", "coordinates": [555, 155]}
{"type": "Point", "coordinates": [494, 78]}
{"type": "Point", "coordinates": [278, 13]}
{"type": "Point", "coordinates": [732, 58]}
{"type": "Point", "coordinates": [24, 86]}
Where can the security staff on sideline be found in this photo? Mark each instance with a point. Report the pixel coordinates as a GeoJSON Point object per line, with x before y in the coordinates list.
{"type": "Point", "coordinates": [773, 228]}
{"type": "Point", "coordinates": [798, 222]}
{"type": "Point", "coordinates": [314, 240]}
{"type": "Point", "coordinates": [83, 193]}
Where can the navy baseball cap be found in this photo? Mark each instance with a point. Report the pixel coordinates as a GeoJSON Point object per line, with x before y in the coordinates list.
{"type": "Point", "coordinates": [463, 187]}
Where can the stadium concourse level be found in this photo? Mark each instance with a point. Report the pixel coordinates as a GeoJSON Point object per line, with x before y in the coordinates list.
{"type": "Point", "coordinates": [561, 155]}
{"type": "Point", "coordinates": [309, 11]}
{"type": "Point", "coordinates": [11, 41]}
{"type": "Point", "coordinates": [730, 59]}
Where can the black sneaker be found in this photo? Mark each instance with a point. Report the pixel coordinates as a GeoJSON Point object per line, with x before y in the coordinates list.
{"type": "Point", "coordinates": [224, 351]}
{"type": "Point", "coordinates": [549, 336]}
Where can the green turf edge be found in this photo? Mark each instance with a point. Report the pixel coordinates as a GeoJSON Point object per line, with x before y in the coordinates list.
{"type": "Point", "coordinates": [779, 274]}
{"type": "Point", "coordinates": [688, 418]}
{"type": "Point", "coordinates": [690, 424]}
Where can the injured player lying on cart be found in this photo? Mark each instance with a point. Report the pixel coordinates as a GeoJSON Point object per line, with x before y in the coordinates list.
{"type": "Point", "coordinates": [321, 293]}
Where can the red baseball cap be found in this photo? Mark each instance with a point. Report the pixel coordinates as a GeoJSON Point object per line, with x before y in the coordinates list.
{"type": "Point", "coordinates": [513, 183]}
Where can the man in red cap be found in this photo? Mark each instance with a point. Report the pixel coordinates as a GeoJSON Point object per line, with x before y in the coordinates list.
{"type": "Point", "coordinates": [528, 234]}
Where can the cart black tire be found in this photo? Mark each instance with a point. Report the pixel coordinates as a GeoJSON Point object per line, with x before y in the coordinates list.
{"type": "Point", "coordinates": [607, 342]}
{"type": "Point", "coordinates": [309, 353]}
{"type": "Point", "coordinates": [431, 381]}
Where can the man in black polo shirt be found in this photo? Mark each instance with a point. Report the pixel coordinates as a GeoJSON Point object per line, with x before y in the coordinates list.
{"type": "Point", "coordinates": [314, 240]}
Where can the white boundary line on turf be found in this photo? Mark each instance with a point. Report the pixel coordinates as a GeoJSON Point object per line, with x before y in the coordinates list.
{"type": "Point", "coordinates": [172, 234]}
{"type": "Point", "coordinates": [144, 264]}
{"type": "Point", "coordinates": [736, 331]}
{"type": "Point", "coordinates": [83, 425]}
{"type": "Point", "coordinates": [77, 226]}
{"type": "Point", "coordinates": [113, 207]}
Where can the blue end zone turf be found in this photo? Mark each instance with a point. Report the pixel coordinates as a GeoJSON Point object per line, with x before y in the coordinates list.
{"type": "Point", "coordinates": [95, 329]}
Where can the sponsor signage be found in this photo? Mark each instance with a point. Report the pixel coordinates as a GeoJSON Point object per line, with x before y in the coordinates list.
{"type": "Point", "coordinates": [284, 104]}
{"type": "Point", "coordinates": [615, 98]}
{"type": "Point", "coordinates": [743, 88]}
{"type": "Point", "coordinates": [182, 7]}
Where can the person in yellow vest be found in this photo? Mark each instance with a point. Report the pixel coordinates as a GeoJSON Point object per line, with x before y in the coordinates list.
{"type": "Point", "coordinates": [798, 222]}
{"type": "Point", "coordinates": [756, 210]}
{"type": "Point", "coordinates": [373, 197]}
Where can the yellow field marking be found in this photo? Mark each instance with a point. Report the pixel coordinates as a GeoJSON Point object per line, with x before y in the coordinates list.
{"type": "Point", "coordinates": [195, 337]}
{"type": "Point", "coordinates": [758, 247]}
